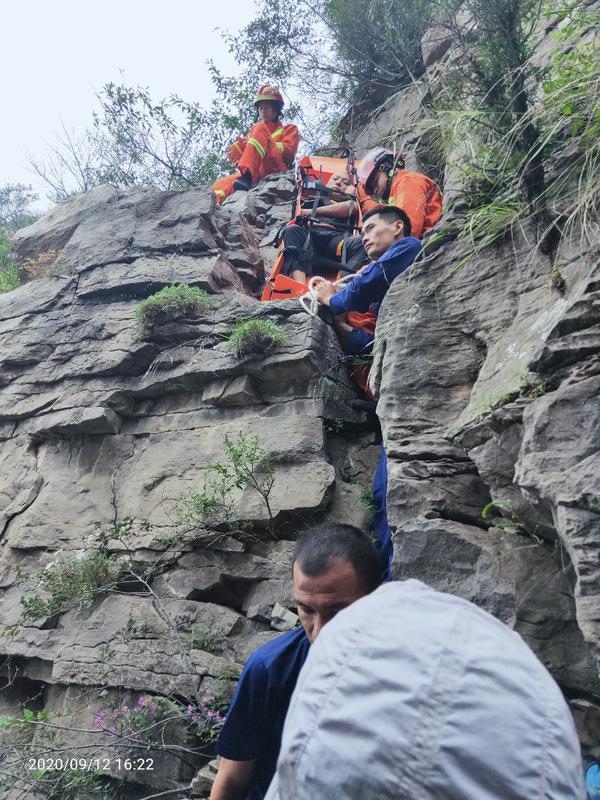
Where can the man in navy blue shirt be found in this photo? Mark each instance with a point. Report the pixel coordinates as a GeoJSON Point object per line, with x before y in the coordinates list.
{"type": "Point", "coordinates": [334, 565]}
{"type": "Point", "coordinates": [387, 240]}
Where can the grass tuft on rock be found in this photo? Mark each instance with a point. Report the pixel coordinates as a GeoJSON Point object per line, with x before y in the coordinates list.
{"type": "Point", "coordinates": [172, 302]}
{"type": "Point", "coordinates": [255, 336]}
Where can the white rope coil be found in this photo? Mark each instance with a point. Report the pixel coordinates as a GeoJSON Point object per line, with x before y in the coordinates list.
{"type": "Point", "coordinates": [309, 300]}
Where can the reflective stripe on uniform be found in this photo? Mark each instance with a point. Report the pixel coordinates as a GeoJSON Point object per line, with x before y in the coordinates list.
{"type": "Point", "coordinates": [391, 202]}
{"type": "Point", "coordinates": [219, 192]}
{"type": "Point", "coordinates": [278, 132]}
{"type": "Point", "coordinates": [236, 145]}
{"type": "Point", "coordinates": [279, 146]}
{"type": "Point", "coordinates": [257, 146]}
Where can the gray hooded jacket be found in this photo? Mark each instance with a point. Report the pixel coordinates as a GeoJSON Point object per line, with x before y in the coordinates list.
{"type": "Point", "coordinates": [411, 694]}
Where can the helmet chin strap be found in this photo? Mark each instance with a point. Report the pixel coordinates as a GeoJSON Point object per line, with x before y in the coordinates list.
{"type": "Point", "coordinates": [388, 185]}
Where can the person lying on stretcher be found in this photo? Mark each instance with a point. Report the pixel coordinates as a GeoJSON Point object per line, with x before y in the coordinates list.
{"type": "Point", "coordinates": [321, 239]}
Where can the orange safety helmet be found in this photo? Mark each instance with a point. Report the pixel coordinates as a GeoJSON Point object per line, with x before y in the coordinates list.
{"type": "Point", "coordinates": [270, 93]}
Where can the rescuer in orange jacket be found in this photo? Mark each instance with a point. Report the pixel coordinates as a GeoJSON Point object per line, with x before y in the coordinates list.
{"type": "Point", "coordinates": [269, 147]}
{"type": "Point", "coordinates": [384, 181]}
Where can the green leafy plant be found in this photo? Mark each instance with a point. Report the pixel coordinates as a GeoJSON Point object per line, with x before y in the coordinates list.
{"type": "Point", "coordinates": [367, 500]}
{"type": "Point", "coordinates": [255, 336]}
{"type": "Point", "coordinates": [335, 425]}
{"type": "Point", "coordinates": [137, 721]}
{"type": "Point", "coordinates": [207, 718]}
{"type": "Point", "coordinates": [10, 276]}
{"type": "Point", "coordinates": [72, 583]}
{"type": "Point", "coordinates": [15, 206]}
{"type": "Point", "coordinates": [330, 391]}
{"type": "Point", "coordinates": [489, 403]}
{"type": "Point", "coordinates": [206, 508]}
{"type": "Point", "coordinates": [198, 637]}
{"type": "Point", "coordinates": [570, 116]}
{"type": "Point", "coordinates": [35, 743]}
{"type": "Point", "coordinates": [77, 785]}
{"type": "Point", "coordinates": [497, 513]}
{"type": "Point", "coordinates": [248, 465]}
{"type": "Point", "coordinates": [529, 154]}
{"type": "Point", "coordinates": [133, 629]}
{"type": "Point", "coordinates": [170, 303]}
{"type": "Point", "coordinates": [532, 387]}
{"type": "Point", "coordinates": [123, 531]}
{"type": "Point", "coordinates": [494, 506]}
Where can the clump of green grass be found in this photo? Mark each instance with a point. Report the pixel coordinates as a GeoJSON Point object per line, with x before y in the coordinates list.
{"type": "Point", "coordinates": [172, 302]}
{"type": "Point", "coordinates": [255, 336]}
{"type": "Point", "coordinates": [198, 637]}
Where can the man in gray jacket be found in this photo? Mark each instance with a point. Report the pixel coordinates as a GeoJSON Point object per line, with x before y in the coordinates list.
{"type": "Point", "coordinates": [411, 694]}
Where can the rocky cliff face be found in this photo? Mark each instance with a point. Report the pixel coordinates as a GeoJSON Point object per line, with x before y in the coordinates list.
{"type": "Point", "coordinates": [98, 426]}
{"type": "Point", "coordinates": [488, 379]}
{"type": "Point", "coordinates": [488, 375]}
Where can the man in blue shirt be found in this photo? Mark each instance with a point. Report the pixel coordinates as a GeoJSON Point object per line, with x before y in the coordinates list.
{"type": "Point", "coordinates": [387, 240]}
{"type": "Point", "coordinates": [333, 566]}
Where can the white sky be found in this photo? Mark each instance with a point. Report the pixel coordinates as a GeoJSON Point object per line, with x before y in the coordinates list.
{"type": "Point", "coordinates": [56, 54]}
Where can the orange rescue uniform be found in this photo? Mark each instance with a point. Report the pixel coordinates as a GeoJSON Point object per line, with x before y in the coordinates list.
{"type": "Point", "coordinates": [416, 194]}
{"type": "Point", "coordinates": [269, 147]}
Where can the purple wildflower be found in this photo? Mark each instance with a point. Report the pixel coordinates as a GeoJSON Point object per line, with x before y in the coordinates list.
{"type": "Point", "coordinates": [100, 718]}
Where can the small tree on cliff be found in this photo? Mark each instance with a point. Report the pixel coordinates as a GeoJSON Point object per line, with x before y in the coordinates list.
{"type": "Point", "coordinates": [15, 206]}
{"type": "Point", "coordinates": [135, 140]}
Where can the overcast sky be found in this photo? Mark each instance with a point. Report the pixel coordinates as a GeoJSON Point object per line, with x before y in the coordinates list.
{"type": "Point", "coordinates": [55, 54]}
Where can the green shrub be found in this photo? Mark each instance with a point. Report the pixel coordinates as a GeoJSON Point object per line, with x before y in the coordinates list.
{"type": "Point", "coordinates": [255, 336]}
{"type": "Point", "coordinates": [9, 271]}
{"type": "Point", "coordinates": [199, 637]}
{"type": "Point", "coordinates": [72, 583]}
{"type": "Point", "coordinates": [367, 500]}
{"type": "Point", "coordinates": [248, 465]}
{"type": "Point", "coordinates": [172, 302]}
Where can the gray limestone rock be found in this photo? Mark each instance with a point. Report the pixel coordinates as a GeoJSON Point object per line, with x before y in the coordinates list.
{"type": "Point", "coordinates": [458, 377]}
{"type": "Point", "coordinates": [202, 783]}
{"type": "Point", "coordinates": [98, 426]}
{"type": "Point", "coordinates": [282, 619]}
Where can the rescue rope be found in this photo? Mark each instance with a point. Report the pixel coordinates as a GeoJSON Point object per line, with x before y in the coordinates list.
{"type": "Point", "coordinates": [309, 301]}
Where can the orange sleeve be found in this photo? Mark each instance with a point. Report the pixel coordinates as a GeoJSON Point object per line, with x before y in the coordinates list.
{"type": "Point", "coordinates": [237, 148]}
{"type": "Point", "coordinates": [290, 141]}
{"type": "Point", "coordinates": [419, 197]}
{"type": "Point", "coordinates": [367, 203]}
{"type": "Point", "coordinates": [434, 205]}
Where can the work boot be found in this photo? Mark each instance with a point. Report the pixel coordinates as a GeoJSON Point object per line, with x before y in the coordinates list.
{"type": "Point", "coordinates": [243, 183]}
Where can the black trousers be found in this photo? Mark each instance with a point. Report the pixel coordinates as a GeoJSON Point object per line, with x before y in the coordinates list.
{"type": "Point", "coordinates": [322, 243]}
